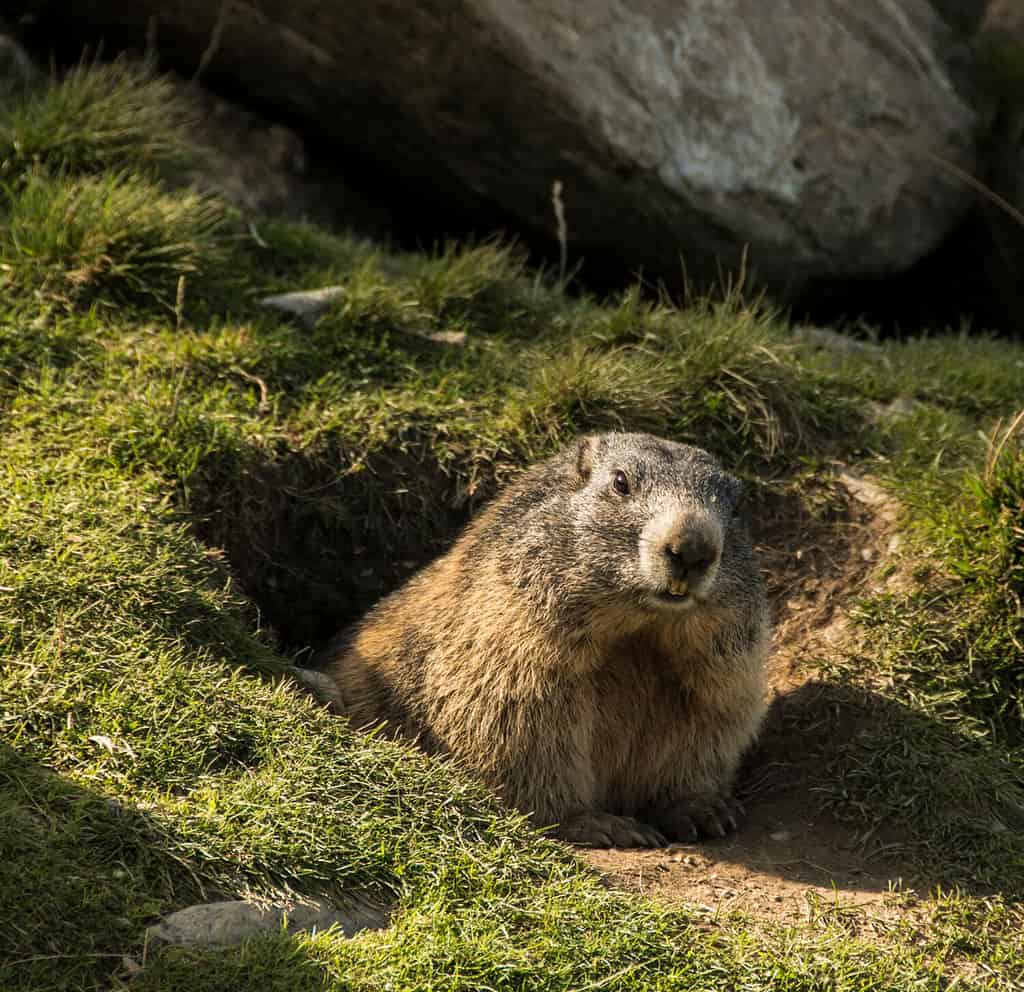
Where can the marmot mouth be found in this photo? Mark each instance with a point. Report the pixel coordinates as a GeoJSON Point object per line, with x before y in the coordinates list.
{"type": "Point", "coordinates": [679, 588]}
{"type": "Point", "coordinates": [677, 596]}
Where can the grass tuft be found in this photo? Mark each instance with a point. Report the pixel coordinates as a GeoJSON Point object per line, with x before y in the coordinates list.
{"type": "Point", "coordinates": [115, 239]}
{"type": "Point", "coordinates": [98, 117]}
{"type": "Point", "coordinates": [957, 639]}
{"type": "Point", "coordinates": [999, 493]}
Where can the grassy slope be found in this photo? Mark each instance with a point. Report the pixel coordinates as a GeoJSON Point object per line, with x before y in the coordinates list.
{"type": "Point", "coordinates": [173, 458]}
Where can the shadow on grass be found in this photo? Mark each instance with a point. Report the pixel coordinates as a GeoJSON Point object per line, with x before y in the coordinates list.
{"type": "Point", "coordinates": [82, 876]}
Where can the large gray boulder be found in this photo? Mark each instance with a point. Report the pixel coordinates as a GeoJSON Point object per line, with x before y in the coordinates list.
{"type": "Point", "coordinates": [825, 140]}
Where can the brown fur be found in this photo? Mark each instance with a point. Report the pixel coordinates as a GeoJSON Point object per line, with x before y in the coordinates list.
{"type": "Point", "coordinates": [545, 652]}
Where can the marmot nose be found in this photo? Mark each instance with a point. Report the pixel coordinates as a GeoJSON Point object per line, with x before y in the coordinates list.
{"type": "Point", "coordinates": [691, 555]}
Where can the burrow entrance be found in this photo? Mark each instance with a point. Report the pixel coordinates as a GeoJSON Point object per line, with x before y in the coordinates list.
{"type": "Point", "coordinates": [314, 542]}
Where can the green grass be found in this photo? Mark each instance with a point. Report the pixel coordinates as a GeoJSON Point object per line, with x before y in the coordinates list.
{"type": "Point", "coordinates": [194, 495]}
{"type": "Point", "coordinates": [97, 118]}
{"type": "Point", "coordinates": [951, 648]}
{"type": "Point", "coordinates": [114, 240]}
{"type": "Point", "coordinates": [958, 639]}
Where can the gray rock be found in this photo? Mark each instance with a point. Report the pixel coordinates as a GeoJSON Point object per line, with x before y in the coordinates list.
{"type": "Point", "coordinates": [896, 409]}
{"type": "Point", "coordinates": [231, 922]}
{"type": "Point", "coordinates": [308, 306]}
{"type": "Point", "coordinates": [864, 490]}
{"type": "Point", "coordinates": [822, 143]}
{"type": "Point", "coordinates": [17, 70]}
{"type": "Point", "coordinates": [448, 339]}
{"type": "Point", "coordinates": [319, 685]}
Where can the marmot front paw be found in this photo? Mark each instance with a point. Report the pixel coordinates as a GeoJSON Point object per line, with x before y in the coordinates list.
{"type": "Point", "coordinates": [692, 817]}
{"type": "Point", "coordinates": [608, 830]}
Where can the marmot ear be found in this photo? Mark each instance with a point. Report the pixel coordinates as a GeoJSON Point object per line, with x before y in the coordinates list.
{"type": "Point", "coordinates": [586, 456]}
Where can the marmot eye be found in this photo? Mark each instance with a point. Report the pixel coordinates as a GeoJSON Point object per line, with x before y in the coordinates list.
{"type": "Point", "coordinates": [620, 483]}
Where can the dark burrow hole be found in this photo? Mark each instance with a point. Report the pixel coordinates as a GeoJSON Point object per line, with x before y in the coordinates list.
{"type": "Point", "coordinates": [314, 543]}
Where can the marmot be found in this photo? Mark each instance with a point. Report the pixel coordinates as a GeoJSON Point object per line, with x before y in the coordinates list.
{"type": "Point", "coordinates": [592, 646]}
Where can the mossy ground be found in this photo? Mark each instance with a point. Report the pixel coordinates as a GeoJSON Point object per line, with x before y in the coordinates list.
{"type": "Point", "coordinates": [195, 491]}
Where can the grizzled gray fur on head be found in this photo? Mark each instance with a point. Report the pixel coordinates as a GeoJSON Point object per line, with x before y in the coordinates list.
{"type": "Point", "coordinates": [630, 518]}
{"type": "Point", "coordinates": [592, 646]}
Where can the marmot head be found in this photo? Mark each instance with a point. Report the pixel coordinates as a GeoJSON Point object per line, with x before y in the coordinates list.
{"type": "Point", "coordinates": [656, 521]}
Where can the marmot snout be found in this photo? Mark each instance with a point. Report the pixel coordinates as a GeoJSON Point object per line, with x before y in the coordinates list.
{"type": "Point", "coordinates": [679, 555]}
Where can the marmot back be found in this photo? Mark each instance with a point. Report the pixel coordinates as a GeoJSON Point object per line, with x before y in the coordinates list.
{"type": "Point", "coordinates": [592, 646]}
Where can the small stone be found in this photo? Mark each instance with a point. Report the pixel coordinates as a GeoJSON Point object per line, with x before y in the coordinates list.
{"type": "Point", "coordinates": [308, 306]}
{"type": "Point", "coordinates": [321, 685]}
{"type": "Point", "coordinates": [864, 490]}
{"type": "Point", "coordinates": [455, 339]}
{"type": "Point", "coordinates": [680, 858]}
{"type": "Point", "coordinates": [823, 337]}
{"type": "Point", "coordinates": [228, 923]}
{"type": "Point", "coordinates": [780, 836]}
{"type": "Point", "coordinates": [902, 406]}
